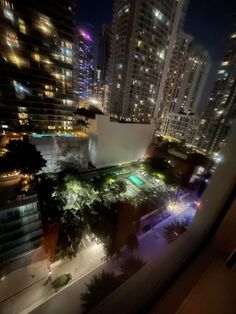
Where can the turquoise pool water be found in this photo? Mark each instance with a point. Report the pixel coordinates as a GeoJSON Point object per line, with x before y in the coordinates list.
{"type": "Point", "coordinates": [136, 180]}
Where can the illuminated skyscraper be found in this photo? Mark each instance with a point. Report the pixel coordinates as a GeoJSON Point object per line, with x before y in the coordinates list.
{"type": "Point", "coordinates": [186, 78]}
{"type": "Point", "coordinates": [84, 65]}
{"type": "Point", "coordinates": [36, 64]}
{"type": "Point", "coordinates": [142, 39]}
{"type": "Point", "coordinates": [222, 104]}
{"type": "Point", "coordinates": [188, 71]}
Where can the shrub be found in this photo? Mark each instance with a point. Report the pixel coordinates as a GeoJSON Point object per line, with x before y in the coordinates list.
{"type": "Point", "coordinates": [61, 281]}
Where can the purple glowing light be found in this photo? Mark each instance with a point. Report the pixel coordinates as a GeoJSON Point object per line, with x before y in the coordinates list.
{"type": "Point", "coordinates": [85, 35]}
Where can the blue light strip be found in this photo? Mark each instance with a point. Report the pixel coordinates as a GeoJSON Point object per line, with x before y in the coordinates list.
{"type": "Point", "coordinates": [53, 135]}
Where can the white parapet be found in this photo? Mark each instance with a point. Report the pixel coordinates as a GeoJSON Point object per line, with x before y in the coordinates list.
{"type": "Point", "coordinates": [113, 143]}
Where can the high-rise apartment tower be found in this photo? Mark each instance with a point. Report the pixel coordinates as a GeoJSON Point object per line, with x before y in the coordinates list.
{"type": "Point", "coordinates": [222, 104]}
{"type": "Point", "coordinates": [84, 65]}
{"type": "Point", "coordinates": [141, 35]}
{"type": "Point", "coordinates": [36, 77]}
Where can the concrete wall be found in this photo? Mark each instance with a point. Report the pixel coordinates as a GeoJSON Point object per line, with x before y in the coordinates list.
{"type": "Point", "coordinates": [114, 143]}
{"type": "Point", "coordinates": [60, 150]}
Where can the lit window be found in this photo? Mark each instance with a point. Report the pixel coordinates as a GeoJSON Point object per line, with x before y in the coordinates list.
{"type": "Point", "coordinates": [23, 116]}
{"type": "Point", "coordinates": [36, 57]}
{"type": "Point", "coordinates": [233, 35]}
{"type": "Point", "coordinates": [8, 14]}
{"type": "Point", "coordinates": [47, 61]}
{"type": "Point", "coordinates": [44, 25]}
{"type": "Point", "coordinates": [22, 109]}
{"type": "Point", "coordinates": [48, 87]}
{"type": "Point", "coordinates": [118, 85]}
{"type": "Point", "coordinates": [21, 91]}
{"type": "Point", "coordinates": [161, 54]}
{"type": "Point", "coordinates": [67, 102]}
{"type": "Point", "coordinates": [221, 71]}
{"type": "Point", "coordinates": [68, 44]}
{"type": "Point", "coordinates": [13, 58]}
{"type": "Point", "coordinates": [22, 27]}
{"type": "Point", "coordinates": [225, 63]}
{"type": "Point", "coordinates": [69, 73]}
{"type": "Point", "coordinates": [120, 66]}
{"type": "Point", "coordinates": [57, 75]}
{"type": "Point", "coordinates": [49, 94]}
{"type": "Point", "coordinates": [159, 15]}
{"type": "Point", "coordinates": [11, 39]}
{"type": "Point", "coordinates": [140, 43]}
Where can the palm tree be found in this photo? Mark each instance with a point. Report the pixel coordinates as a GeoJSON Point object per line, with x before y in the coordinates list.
{"type": "Point", "coordinates": [130, 266]}
{"type": "Point", "coordinates": [176, 229]}
{"type": "Point", "coordinates": [99, 287]}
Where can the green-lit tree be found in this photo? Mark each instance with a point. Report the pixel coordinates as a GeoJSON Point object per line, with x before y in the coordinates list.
{"type": "Point", "coordinates": [70, 234]}
{"type": "Point", "coordinates": [99, 287]}
{"type": "Point", "coordinates": [116, 188]}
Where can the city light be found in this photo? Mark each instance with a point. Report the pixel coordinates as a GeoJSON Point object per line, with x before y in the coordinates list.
{"type": "Point", "coordinates": [109, 147]}
{"type": "Point", "coordinates": [86, 35]}
{"type": "Point", "coordinates": [93, 101]}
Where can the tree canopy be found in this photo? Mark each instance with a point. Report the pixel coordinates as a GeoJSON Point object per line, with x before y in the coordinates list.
{"type": "Point", "coordinates": [99, 287]}
{"type": "Point", "coordinates": [22, 156]}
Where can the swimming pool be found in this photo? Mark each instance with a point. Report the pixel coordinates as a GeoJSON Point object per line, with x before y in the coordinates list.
{"type": "Point", "coordinates": [136, 180]}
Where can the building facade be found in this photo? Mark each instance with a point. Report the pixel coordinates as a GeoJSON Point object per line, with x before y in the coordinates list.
{"type": "Point", "coordinates": [21, 232]}
{"type": "Point", "coordinates": [188, 71]}
{"type": "Point", "coordinates": [181, 127]}
{"type": "Point", "coordinates": [221, 111]}
{"type": "Point", "coordinates": [36, 78]}
{"type": "Point", "coordinates": [104, 51]}
{"type": "Point", "coordinates": [84, 66]}
{"type": "Point", "coordinates": [141, 32]}
{"type": "Point", "coordinates": [187, 75]}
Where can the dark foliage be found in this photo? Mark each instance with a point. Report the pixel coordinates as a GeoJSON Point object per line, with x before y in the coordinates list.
{"type": "Point", "coordinates": [176, 229]}
{"type": "Point", "coordinates": [50, 206]}
{"type": "Point", "coordinates": [99, 287]}
{"type": "Point", "coordinates": [22, 156]}
{"type": "Point", "coordinates": [70, 234]}
{"type": "Point", "coordinates": [130, 266]}
{"type": "Point", "coordinates": [81, 124]}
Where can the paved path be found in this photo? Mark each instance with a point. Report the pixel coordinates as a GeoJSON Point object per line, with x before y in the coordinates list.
{"type": "Point", "coordinates": [21, 291]}
{"type": "Point", "coordinates": [31, 292]}
{"type": "Point", "coordinates": [151, 244]}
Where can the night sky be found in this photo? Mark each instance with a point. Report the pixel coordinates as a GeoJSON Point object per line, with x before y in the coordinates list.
{"type": "Point", "coordinates": [209, 21]}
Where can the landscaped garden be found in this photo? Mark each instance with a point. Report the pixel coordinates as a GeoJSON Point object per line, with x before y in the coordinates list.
{"type": "Point", "coordinates": [107, 204]}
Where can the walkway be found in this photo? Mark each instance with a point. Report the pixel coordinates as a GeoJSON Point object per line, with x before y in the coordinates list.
{"type": "Point", "coordinates": [31, 293]}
